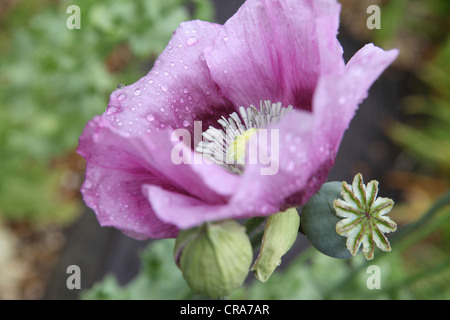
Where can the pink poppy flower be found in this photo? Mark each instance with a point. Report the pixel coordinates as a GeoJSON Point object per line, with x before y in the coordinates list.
{"type": "Point", "coordinates": [285, 52]}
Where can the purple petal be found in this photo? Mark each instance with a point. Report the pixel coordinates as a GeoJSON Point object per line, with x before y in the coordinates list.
{"type": "Point", "coordinates": [176, 91]}
{"type": "Point", "coordinates": [182, 210]}
{"type": "Point", "coordinates": [269, 50]}
{"type": "Point", "coordinates": [338, 95]}
{"type": "Point", "coordinates": [302, 168]}
{"type": "Point", "coordinates": [119, 164]}
{"type": "Point", "coordinates": [302, 160]}
{"type": "Point", "coordinates": [113, 184]}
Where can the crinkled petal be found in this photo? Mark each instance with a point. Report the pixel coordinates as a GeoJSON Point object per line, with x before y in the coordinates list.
{"type": "Point", "coordinates": [113, 184]}
{"type": "Point", "coordinates": [338, 96]}
{"type": "Point", "coordinates": [291, 167]}
{"type": "Point", "coordinates": [117, 167]}
{"type": "Point", "coordinates": [183, 210]}
{"type": "Point", "coordinates": [269, 50]}
{"type": "Point", "coordinates": [178, 89]}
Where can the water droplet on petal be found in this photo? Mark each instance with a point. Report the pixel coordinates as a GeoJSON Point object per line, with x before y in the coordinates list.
{"type": "Point", "coordinates": [137, 92]}
{"type": "Point", "coordinates": [150, 117]}
{"type": "Point", "coordinates": [291, 166]}
{"type": "Point", "coordinates": [191, 41]}
{"type": "Point", "coordinates": [88, 184]}
{"type": "Point", "coordinates": [185, 123]}
{"type": "Point", "coordinates": [121, 97]}
{"type": "Point", "coordinates": [162, 109]}
{"type": "Point", "coordinates": [111, 110]}
{"type": "Point", "coordinates": [226, 39]}
{"type": "Point", "coordinates": [164, 88]}
{"type": "Point", "coordinates": [185, 90]}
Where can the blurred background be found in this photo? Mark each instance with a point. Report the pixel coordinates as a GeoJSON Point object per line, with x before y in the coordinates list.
{"type": "Point", "coordinates": [53, 80]}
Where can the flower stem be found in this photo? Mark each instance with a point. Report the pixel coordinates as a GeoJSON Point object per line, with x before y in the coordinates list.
{"type": "Point", "coordinates": [440, 203]}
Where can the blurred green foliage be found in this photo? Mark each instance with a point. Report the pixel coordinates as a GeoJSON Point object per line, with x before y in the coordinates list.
{"type": "Point", "coordinates": [421, 30]}
{"type": "Point", "coordinates": [158, 279]}
{"type": "Point", "coordinates": [54, 79]}
{"type": "Point", "coordinates": [428, 136]}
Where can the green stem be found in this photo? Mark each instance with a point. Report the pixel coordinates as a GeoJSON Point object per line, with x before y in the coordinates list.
{"type": "Point", "coordinates": [440, 203]}
{"type": "Point", "coordinates": [420, 275]}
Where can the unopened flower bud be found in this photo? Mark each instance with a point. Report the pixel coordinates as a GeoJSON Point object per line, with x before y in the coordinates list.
{"type": "Point", "coordinates": [280, 234]}
{"type": "Point", "coordinates": [318, 222]}
{"type": "Point", "coordinates": [214, 258]}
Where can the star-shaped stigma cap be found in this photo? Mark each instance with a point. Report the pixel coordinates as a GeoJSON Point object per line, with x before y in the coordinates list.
{"type": "Point", "coordinates": [365, 221]}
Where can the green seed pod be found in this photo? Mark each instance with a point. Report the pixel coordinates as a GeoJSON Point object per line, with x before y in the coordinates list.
{"type": "Point", "coordinates": [318, 222]}
{"type": "Point", "coordinates": [280, 233]}
{"type": "Point", "coordinates": [214, 258]}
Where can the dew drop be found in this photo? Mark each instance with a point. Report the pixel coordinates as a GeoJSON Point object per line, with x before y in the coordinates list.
{"type": "Point", "coordinates": [226, 39]}
{"type": "Point", "coordinates": [164, 88]}
{"type": "Point", "coordinates": [186, 123]}
{"type": "Point", "coordinates": [291, 166]}
{"type": "Point", "coordinates": [162, 109]}
{"type": "Point", "coordinates": [185, 90]}
{"type": "Point", "coordinates": [191, 41]}
{"type": "Point", "coordinates": [88, 184]}
{"type": "Point", "coordinates": [137, 92]}
{"type": "Point", "coordinates": [121, 97]}
{"type": "Point", "coordinates": [111, 110]}
{"type": "Point", "coordinates": [150, 117]}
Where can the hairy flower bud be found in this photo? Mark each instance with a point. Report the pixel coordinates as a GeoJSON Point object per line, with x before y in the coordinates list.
{"type": "Point", "coordinates": [214, 258]}
{"type": "Point", "coordinates": [318, 222]}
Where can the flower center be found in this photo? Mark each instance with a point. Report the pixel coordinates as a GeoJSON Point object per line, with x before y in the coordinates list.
{"type": "Point", "coordinates": [227, 146]}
